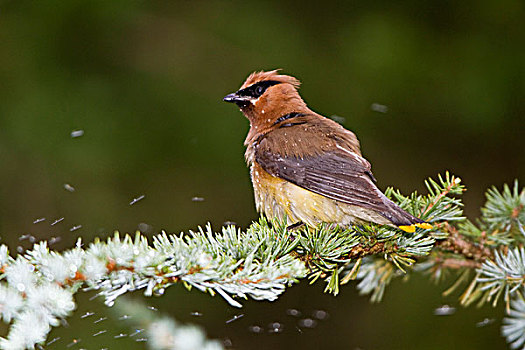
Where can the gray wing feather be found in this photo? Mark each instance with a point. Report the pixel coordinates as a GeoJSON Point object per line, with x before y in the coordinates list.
{"type": "Point", "coordinates": [335, 175]}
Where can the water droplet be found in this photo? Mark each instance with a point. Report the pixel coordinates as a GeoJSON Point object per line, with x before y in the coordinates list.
{"type": "Point", "coordinates": [256, 329]}
{"type": "Point", "coordinates": [101, 319]}
{"type": "Point", "coordinates": [444, 310]}
{"type": "Point", "coordinates": [74, 228]}
{"type": "Point", "coordinates": [227, 342]}
{"type": "Point", "coordinates": [53, 340]}
{"type": "Point", "coordinates": [485, 322]}
{"type": "Point", "coordinates": [143, 227]}
{"type": "Point", "coordinates": [197, 199]}
{"type": "Point", "coordinates": [39, 220]}
{"type": "Point", "coordinates": [69, 188]}
{"type": "Point", "coordinates": [307, 323]}
{"type": "Point", "coordinates": [77, 133]}
{"type": "Point", "coordinates": [320, 314]}
{"type": "Point", "coordinates": [275, 327]}
{"type": "Point", "coordinates": [74, 342]}
{"type": "Point", "coordinates": [377, 107]}
{"type": "Point", "coordinates": [100, 332]}
{"type": "Point", "coordinates": [53, 240]}
{"type": "Point", "coordinates": [196, 314]}
{"type": "Point", "coordinates": [56, 221]}
{"type": "Point", "coordinates": [137, 331]}
{"type": "Point", "coordinates": [338, 119]}
{"type": "Point", "coordinates": [139, 198]}
{"type": "Point", "coordinates": [87, 314]}
{"type": "Point", "coordinates": [234, 318]}
{"type": "Point", "coordinates": [293, 312]}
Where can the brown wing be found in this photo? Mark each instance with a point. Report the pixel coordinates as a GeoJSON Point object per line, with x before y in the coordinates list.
{"type": "Point", "coordinates": [337, 174]}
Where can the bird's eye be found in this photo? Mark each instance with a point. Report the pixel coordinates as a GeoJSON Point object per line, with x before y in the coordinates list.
{"type": "Point", "coordinates": [259, 90]}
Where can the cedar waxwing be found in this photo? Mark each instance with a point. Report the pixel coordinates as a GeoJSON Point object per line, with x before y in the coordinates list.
{"type": "Point", "coordinates": [305, 166]}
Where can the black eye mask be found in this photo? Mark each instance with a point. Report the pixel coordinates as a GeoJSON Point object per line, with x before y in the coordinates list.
{"type": "Point", "coordinates": [257, 89]}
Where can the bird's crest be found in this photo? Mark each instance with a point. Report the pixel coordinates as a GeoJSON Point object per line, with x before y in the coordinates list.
{"type": "Point", "coordinates": [274, 75]}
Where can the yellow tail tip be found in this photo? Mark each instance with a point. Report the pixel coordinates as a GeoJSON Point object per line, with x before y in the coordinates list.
{"type": "Point", "coordinates": [412, 228]}
{"type": "Point", "coordinates": [424, 225]}
{"type": "Point", "coordinates": [408, 228]}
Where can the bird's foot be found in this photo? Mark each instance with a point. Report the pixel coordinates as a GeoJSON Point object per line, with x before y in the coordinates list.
{"type": "Point", "coordinates": [295, 226]}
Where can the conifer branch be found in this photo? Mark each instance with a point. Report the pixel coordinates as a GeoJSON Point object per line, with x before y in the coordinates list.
{"type": "Point", "coordinates": [456, 243]}
{"type": "Point", "coordinates": [161, 331]}
{"type": "Point", "coordinates": [514, 324]}
{"type": "Point", "coordinates": [37, 287]}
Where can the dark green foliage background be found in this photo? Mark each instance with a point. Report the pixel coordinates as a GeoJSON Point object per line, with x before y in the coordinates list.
{"type": "Point", "coordinates": [145, 79]}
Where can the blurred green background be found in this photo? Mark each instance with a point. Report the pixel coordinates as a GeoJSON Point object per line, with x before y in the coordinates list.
{"type": "Point", "coordinates": [144, 81]}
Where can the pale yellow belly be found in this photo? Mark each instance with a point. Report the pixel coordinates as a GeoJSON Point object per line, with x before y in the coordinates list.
{"type": "Point", "coordinates": [277, 198]}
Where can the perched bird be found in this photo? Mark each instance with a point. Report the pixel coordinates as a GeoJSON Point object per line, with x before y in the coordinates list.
{"type": "Point", "coordinates": [306, 166]}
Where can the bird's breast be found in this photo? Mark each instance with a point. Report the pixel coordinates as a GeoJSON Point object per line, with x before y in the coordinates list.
{"type": "Point", "coordinates": [278, 198]}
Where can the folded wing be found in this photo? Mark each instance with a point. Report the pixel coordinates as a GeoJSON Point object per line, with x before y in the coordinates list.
{"type": "Point", "coordinates": [338, 174]}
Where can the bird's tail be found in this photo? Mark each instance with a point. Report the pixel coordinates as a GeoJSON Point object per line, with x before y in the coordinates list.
{"type": "Point", "coordinates": [402, 219]}
{"type": "Point", "coordinates": [412, 228]}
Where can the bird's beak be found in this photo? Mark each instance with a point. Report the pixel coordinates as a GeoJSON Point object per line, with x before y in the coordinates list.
{"type": "Point", "coordinates": [234, 98]}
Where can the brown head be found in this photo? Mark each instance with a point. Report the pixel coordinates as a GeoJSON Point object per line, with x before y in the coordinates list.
{"type": "Point", "coordinates": [265, 97]}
